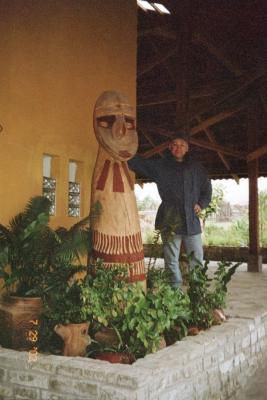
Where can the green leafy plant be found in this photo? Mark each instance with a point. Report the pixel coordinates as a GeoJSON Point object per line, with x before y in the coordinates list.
{"type": "Point", "coordinates": [165, 232]}
{"type": "Point", "coordinates": [104, 296]}
{"type": "Point", "coordinates": [222, 277]}
{"type": "Point", "coordinates": [104, 293]}
{"type": "Point", "coordinates": [207, 294]}
{"type": "Point", "coordinates": [147, 203]}
{"type": "Point", "coordinates": [234, 235]}
{"type": "Point", "coordinates": [156, 276]}
{"type": "Point", "coordinates": [148, 316]}
{"type": "Point", "coordinates": [22, 249]}
{"type": "Point", "coordinates": [214, 205]}
{"type": "Point", "coordinates": [199, 295]}
{"type": "Point", "coordinates": [30, 250]}
{"type": "Point", "coordinates": [139, 319]}
{"type": "Point", "coordinates": [263, 216]}
{"type": "Point", "coordinates": [66, 275]}
{"type": "Point", "coordinates": [62, 297]}
{"type": "Point", "coordinates": [155, 250]}
{"type": "Point", "coordinates": [62, 304]}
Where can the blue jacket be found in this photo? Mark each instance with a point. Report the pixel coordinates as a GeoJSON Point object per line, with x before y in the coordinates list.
{"type": "Point", "coordinates": [196, 189]}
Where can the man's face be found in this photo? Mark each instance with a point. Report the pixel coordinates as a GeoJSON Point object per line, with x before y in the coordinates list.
{"type": "Point", "coordinates": [178, 148]}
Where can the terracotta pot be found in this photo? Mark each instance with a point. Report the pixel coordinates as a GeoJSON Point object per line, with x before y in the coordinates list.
{"type": "Point", "coordinates": [162, 344]}
{"type": "Point", "coordinates": [218, 316]}
{"type": "Point", "coordinates": [172, 336]}
{"type": "Point", "coordinates": [107, 337]}
{"type": "Point", "coordinates": [115, 358]}
{"type": "Point", "coordinates": [76, 338]}
{"type": "Point", "coordinates": [19, 321]}
{"type": "Point", "coordinates": [193, 330]}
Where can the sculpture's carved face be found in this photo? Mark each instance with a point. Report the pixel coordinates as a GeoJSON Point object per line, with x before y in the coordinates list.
{"type": "Point", "coordinates": [114, 125]}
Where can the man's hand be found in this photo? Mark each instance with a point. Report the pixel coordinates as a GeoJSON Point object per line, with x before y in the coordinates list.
{"type": "Point", "coordinates": [197, 208]}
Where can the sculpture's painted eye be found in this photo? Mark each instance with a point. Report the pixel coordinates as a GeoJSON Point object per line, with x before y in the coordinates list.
{"type": "Point", "coordinates": [106, 121]}
{"type": "Point", "coordinates": [130, 123]}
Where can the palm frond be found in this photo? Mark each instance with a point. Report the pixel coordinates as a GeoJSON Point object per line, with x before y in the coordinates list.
{"type": "Point", "coordinates": [36, 206]}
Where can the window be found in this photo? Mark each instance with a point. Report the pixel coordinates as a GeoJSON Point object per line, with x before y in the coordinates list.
{"type": "Point", "coordinates": [74, 189]}
{"type": "Point", "coordinates": [49, 183]}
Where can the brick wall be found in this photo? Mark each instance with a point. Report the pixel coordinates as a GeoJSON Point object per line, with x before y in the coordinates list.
{"type": "Point", "coordinates": [211, 365]}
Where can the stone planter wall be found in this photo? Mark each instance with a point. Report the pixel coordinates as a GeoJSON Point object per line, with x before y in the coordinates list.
{"type": "Point", "coordinates": [209, 366]}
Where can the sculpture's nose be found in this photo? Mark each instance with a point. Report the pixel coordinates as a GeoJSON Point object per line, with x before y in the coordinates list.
{"type": "Point", "coordinates": [119, 127]}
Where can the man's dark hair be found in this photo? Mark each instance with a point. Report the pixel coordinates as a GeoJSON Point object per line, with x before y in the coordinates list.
{"type": "Point", "coordinates": [180, 135]}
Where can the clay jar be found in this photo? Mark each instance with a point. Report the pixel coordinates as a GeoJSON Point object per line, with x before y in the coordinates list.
{"type": "Point", "coordinates": [75, 337]}
{"type": "Point", "coordinates": [115, 358]}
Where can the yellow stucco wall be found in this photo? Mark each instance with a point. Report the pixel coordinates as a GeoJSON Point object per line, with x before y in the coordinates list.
{"type": "Point", "coordinates": [57, 56]}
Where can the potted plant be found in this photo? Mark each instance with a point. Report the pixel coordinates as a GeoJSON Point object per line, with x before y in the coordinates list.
{"type": "Point", "coordinates": [207, 295]}
{"type": "Point", "coordinates": [22, 270]}
{"type": "Point", "coordinates": [105, 295]}
{"type": "Point", "coordinates": [149, 316]}
{"type": "Point", "coordinates": [127, 319]}
{"type": "Point", "coordinates": [64, 311]}
{"type": "Point", "coordinates": [28, 249]}
{"type": "Point", "coordinates": [199, 295]}
{"type": "Point", "coordinates": [222, 277]}
{"type": "Point", "coordinates": [157, 276]}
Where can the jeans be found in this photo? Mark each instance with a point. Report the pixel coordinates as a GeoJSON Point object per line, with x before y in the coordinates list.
{"type": "Point", "coordinates": [171, 250]}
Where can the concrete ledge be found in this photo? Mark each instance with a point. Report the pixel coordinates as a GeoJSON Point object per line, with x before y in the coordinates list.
{"type": "Point", "coordinates": [211, 365]}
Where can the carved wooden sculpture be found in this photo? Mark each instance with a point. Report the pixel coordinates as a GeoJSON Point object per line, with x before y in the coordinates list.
{"type": "Point", "coordinates": [116, 233]}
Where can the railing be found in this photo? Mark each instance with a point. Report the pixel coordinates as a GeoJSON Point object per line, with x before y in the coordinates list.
{"type": "Point", "coordinates": [213, 253]}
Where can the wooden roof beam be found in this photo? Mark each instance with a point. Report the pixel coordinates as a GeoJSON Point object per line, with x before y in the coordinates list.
{"type": "Point", "coordinates": [148, 138]}
{"type": "Point", "coordinates": [216, 147]}
{"type": "Point", "coordinates": [229, 64]}
{"type": "Point", "coordinates": [197, 38]}
{"type": "Point", "coordinates": [214, 120]}
{"type": "Point", "coordinates": [166, 98]}
{"type": "Point", "coordinates": [224, 160]}
{"type": "Point", "coordinates": [199, 143]}
{"type": "Point", "coordinates": [163, 98]}
{"type": "Point", "coordinates": [200, 91]}
{"type": "Point", "coordinates": [243, 86]}
{"type": "Point", "coordinates": [249, 80]}
{"type": "Point", "coordinates": [165, 65]}
{"type": "Point", "coordinates": [198, 128]}
{"type": "Point", "coordinates": [159, 59]}
{"type": "Point", "coordinates": [259, 152]}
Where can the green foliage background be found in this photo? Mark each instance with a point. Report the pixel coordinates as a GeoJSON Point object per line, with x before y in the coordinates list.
{"type": "Point", "coordinates": [216, 234]}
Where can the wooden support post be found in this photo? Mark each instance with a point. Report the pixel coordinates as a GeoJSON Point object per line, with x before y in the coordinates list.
{"type": "Point", "coordinates": [254, 259]}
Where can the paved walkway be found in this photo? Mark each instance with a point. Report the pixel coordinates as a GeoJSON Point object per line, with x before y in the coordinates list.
{"type": "Point", "coordinates": [251, 303]}
{"type": "Point", "coordinates": [256, 388]}
{"type": "Point", "coordinates": [253, 300]}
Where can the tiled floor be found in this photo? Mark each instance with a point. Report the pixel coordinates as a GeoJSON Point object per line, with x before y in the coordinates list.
{"type": "Point", "coordinates": [254, 300]}
{"type": "Point", "coordinates": [256, 388]}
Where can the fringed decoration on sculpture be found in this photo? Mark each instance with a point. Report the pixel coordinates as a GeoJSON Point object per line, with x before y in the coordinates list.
{"type": "Point", "coordinates": [116, 245]}
{"type": "Point", "coordinates": [126, 250]}
{"type": "Point", "coordinates": [136, 270]}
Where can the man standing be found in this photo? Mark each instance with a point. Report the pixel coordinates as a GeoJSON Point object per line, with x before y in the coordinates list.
{"type": "Point", "coordinates": [185, 189]}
